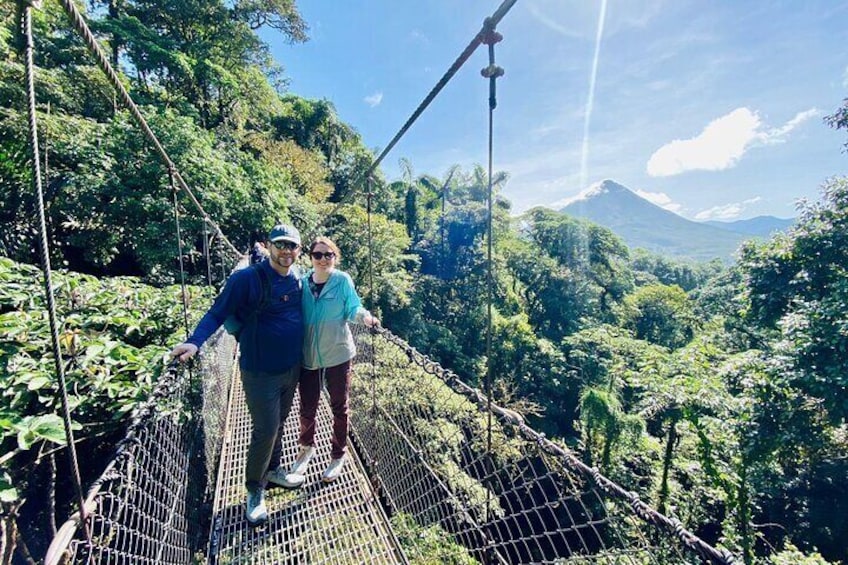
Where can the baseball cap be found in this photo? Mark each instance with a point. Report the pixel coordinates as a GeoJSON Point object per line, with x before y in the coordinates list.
{"type": "Point", "coordinates": [284, 232]}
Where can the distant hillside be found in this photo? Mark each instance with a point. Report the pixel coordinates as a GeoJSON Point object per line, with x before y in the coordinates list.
{"type": "Point", "coordinates": [762, 226]}
{"type": "Point", "coordinates": [643, 224]}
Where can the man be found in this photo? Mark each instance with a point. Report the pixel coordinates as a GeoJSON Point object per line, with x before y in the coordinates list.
{"type": "Point", "coordinates": [270, 340]}
{"type": "Point", "coordinates": [258, 253]}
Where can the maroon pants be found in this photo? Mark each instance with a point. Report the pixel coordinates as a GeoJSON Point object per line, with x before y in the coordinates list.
{"type": "Point", "coordinates": [338, 385]}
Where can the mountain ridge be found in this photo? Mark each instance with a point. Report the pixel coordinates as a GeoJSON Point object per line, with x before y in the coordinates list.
{"type": "Point", "coordinates": [759, 225]}
{"type": "Point", "coordinates": [641, 223]}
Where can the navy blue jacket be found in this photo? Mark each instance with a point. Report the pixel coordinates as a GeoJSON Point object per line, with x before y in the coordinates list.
{"type": "Point", "coordinates": [273, 344]}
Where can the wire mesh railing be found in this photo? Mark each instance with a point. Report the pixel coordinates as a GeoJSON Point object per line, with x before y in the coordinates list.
{"type": "Point", "coordinates": [422, 433]}
{"type": "Point", "coordinates": [151, 504]}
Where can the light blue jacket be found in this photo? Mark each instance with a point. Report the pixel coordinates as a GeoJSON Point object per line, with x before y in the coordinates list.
{"type": "Point", "coordinates": [328, 340]}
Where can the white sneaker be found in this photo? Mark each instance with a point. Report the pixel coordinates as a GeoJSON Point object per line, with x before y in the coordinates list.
{"type": "Point", "coordinates": [256, 512]}
{"type": "Point", "coordinates": [289, 480]}
{"type": "Point", "coordinates": [333, 470]}
{"type": "Point", "coordinates": [304, 456]}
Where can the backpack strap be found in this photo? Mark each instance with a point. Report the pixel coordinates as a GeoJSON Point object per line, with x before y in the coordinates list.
{"type": "Point", "coordinates": [265, 284]}
{"type": "Point", "coordinates": [264, 292]}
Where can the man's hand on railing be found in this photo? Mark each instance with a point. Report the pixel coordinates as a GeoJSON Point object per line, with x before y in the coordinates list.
{"type": "Point", "coordinates": [184, 351]}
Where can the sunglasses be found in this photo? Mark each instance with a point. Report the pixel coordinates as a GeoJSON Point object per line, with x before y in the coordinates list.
{"type": "Point", "coordinates": [317, 255]}
{"type": "Point", "coordinates": [290, 245]}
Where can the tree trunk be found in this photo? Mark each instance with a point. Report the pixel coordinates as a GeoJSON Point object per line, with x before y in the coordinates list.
{"type": "Point", "coordinates": [609, 433]}
{"type": "Point", "coordinates": [8, 532]}
{"type": "Point", "coordinates": [743, 514]}
{"type": "Point", "coordinates": [116, 46]}
{"type": "Point", "coordinates": [667, 460]}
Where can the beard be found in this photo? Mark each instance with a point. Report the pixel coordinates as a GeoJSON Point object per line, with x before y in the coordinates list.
{"type": "Point", "coordinates": [284, 261]}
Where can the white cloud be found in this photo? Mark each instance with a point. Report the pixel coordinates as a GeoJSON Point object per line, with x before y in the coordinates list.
{"type": "Point", "coordinates": [726, 211]}
{"type": "Point", "coordinates": [662, 200]}
{"type": "Point", "coordinates": [778, 135]}
{"type": "Point", "coordinates": [374, 99]}
{"type": "Point", "coordinates": [721, 144]}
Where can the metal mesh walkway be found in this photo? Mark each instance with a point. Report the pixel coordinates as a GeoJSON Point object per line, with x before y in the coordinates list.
{"type": "Point", "coordinates": [340, 522]}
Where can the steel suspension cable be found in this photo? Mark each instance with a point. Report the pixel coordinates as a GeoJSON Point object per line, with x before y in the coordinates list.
{"type": "Point", "coordinates": [371, 286]}
{"type": "Point", "coordinates": [489, 23]}
{"type": "Point", "coordinates": [183, 289]}
{"type": "Point", "coordinates": [492, 72]}
{"type": "Point", "coordinates": [104, 64]}
{"type": "Point", "coordinates": [45, 262]}
{"type": "Point", "coordinates": [373, 370]}
{"type": "Point", "coordinates": [206, 255]}
{"type": "Point", "coordinates": [220, 245]}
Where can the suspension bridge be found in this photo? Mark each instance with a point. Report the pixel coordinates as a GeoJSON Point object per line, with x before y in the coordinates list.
{"type": "Point", "coordinates": [439, 473]}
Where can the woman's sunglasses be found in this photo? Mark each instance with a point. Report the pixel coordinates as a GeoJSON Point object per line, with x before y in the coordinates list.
{"type": "Point", "coordinates": [317, 255]}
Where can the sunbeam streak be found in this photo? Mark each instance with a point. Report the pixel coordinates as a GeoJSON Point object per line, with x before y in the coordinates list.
{"type": "Point", "coordinates": [590, 101]}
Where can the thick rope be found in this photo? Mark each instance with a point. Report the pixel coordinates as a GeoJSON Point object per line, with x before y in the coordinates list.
{"type": "Point", "coordinates": [45, 261]}
{"type": "Point", "coordinates": [106, 67]}
{"type": "Point", "coordinates": [515, 420]}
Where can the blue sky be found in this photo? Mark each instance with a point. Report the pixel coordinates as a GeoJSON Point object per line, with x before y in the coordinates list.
{"type": "Point", "coordinates": [711, 109]}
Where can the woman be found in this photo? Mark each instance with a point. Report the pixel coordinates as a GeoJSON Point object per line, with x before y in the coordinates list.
{"type": "Point", "coordinates": [330, 302]}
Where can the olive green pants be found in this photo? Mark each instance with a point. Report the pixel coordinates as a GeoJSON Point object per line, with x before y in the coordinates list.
{"type": "Point", "coordinates": [269, 399]}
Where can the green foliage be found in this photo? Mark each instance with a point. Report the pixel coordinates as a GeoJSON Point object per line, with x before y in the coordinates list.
{"type": "Point", "coordinates": [651, 268]}
{"type": "Point", "coordinates": [314, 125]}
{"type": "Point", "coordinates": [8, 493]}
{"type": "Point", "coordinates": [112, 339]}
{"type": "Point", "coordinates": [108, 186]}
{"type": "Point", "coordinates": [793, 556]}
{"type": "Point", "coordinates": [605, 425]}
{"type": "Point", "coordinates": [202, 54]}
{"type": "Point", "coordinates": [587, 274]}
{"type": "Point", "coordinates": [660, 314]}
{"type": "Point", "coordinates": [428, 545]}
{"type": "Point", "coordinates": [796, 284]}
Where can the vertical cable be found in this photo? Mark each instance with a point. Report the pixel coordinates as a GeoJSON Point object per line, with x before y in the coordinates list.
{"type": "Point", "coordinates": [370, 182]}
{"type": "Point", "coordinates": [220, 244]}
{"type": "Point", "coordinates": [45, 262]}
{"type": "Point", "coordinates": [371, 332]}
{"type": "Point", "coordinates": [206, 252]}
{"type": "Point", "coordinates": [492, 72]}
{"type": "Point", "coordinates": [179, 250]}
{"type": "Point", "coordinates": [47, 153]}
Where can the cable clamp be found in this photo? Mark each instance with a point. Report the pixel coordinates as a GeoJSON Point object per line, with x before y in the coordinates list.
{"type": "Point", "coordinates": [488, 35]}
{"type": "Point", "coordinates": [492, 71]}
